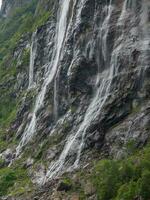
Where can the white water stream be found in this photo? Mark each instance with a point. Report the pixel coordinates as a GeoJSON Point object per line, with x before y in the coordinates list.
{"type": "Point", "coordinates": [60, 35]}
{"type": "Point", "coordinates": [92, 111]}
{"type": "Point", "coordinates": [102, 87]}
{"type": "Point", "coordinates": [33, 51]}
{"type": "Point", "coordinates": [104, 80]}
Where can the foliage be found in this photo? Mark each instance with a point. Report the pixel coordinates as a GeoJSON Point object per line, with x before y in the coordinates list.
{"type": "Point", "coordinates": [124, 180]}
{"type": "Point", "coordinates": [22, 21]}
{"type": "Point", "coordinates": [7, 178]}
{"type": "Point", "coordinates": [2, 163]}
{"type": "Point", "coordinates": [106, 179]}
{"type": "Point", "coordinates": [13, 180]}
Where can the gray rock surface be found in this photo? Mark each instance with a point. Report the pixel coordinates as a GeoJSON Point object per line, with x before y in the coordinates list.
{"type": "Point", "coordinates": [98, 98]}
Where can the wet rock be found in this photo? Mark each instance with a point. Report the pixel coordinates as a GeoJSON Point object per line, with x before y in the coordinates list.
{"type": "Point", "coordinates": [89, 190]}
{"type": "Point", "coordinates": [78, 76]}
{"type": "Point", "coordinates": [29, 163]}
{"type": "Point", "coordinates": [74, 197]}
{"type": "Point", "coordinates": [64, 185]}
{"type": "Point", "coordinates": [99, 86]}
{"type": "Point", "coordinates": [8, 155]}
{"type": "Point", "coordinates": [95, 139]}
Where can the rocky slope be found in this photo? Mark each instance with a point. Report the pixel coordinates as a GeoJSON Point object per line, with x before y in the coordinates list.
{"type": "Point", "coordinates": [8, 6]}
{"type": "Point", "coordinates": [78, 91]}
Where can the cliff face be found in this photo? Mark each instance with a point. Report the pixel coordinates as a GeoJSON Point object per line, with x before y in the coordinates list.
{"type": "Point", "coordinates": [8, 6]}
{"type": "Point", "coordinates": [84, 94]}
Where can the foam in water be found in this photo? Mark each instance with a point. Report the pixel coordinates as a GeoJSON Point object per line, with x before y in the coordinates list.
{"type": "Point", "coordinates": [50, 75]}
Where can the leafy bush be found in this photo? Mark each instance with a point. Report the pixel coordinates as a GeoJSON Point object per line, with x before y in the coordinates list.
{"type": "Point", "coordinates": [13, 180]}
{"type": "Point", "coordinates": [106, 179]}
{"type": "Point", "coordinates": [144, 185]}
{"type": "Point", "coordinates": [7, 179]}
{"type": "Point", "coordinates": [124, 180]}
{"type": "Point", "coordinates": [127, 191]}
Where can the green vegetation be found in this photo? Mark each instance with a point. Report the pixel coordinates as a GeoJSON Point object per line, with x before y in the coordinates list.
{"type": "Point", "coordinates": [124, 180]}
{"type": "Point", "coordinates": [70, 186]}
{"type": "Point", "coordinates": [14, 181]}
{"type": "Point", "coordinates": [23, 21]}
{"type": "Point", "coordinates": [2, 162]}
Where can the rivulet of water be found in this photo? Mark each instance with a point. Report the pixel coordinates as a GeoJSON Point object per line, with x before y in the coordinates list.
{"type": "Point", "coordinates": [60, 36]}
{"type": "Point", "coordinates": [33, 51]}
{"type": "Point", "coordinates": [93, 110]}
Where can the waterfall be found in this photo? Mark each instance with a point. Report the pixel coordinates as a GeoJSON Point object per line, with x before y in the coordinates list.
{"type": "Point", "coordinates": [55, 99]}
{"type": "Point", "coordinates": [91, 115]}
{"type": "Point", "coordinates": [105, 29]}
{"type": "Point", "coordinates": [56, 82]}
{"type": "Point", "coordinates": [144, 44]}
{"type": "Point", "coordinates": [50, 75]}
{"type": "Point", "coordinates": [145, 23]}
{"type": "Point", "coordinates": [103, 91]}
{"type": "Point", "coordinates": [123, 13]}
{"type": "Point", "coordinates": [92, 112]}
{"type": "Point", "coordinates": [76, 140]}
{"type": "Point", "coordinates": [33, 51]}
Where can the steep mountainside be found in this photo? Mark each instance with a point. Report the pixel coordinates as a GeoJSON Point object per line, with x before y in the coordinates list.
{"type": "Point", "coordinates": [9, 6]}
{"type": "Point", "coordinates": [74, 99]}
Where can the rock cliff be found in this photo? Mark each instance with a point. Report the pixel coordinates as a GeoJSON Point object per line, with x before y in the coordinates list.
{"type": "Point", "coordinates": [79, 88]}
{"type": "Point", "coordinates": [8, 6]}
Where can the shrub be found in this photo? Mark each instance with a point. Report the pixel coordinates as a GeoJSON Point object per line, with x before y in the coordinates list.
{"type": "Point", "coordinates": [7, 179]}
{"type": "Point", "coordinates": [106, 179]}
{"type": "Point", "coordinates": [144, 185]}
{"type": "Point", "coordinates": [12, 180]}
{"type": "Point", "coordinates": [127, 179]}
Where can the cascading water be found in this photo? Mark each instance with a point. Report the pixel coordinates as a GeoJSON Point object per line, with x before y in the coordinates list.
{"type": "Point", "coordinates": [33, 50]}
{"type": "Point", "coordinates": [102, 92]}
{"type": "Point", "coordinates": [56, 84]}
{"type": "Point", "coordinates": [60, 36]}
{"type": "Point", "coordinates": [144, 42]}
{"type": "Point", "coordinates": [145, 25]}
{"type": "Point", "coordinates": [93, 110]}
{"type": "Point", "coordinates": [105, 29]}
{"type": "Point", "coordinates": [76, 140]}
{"type": "Point", "coordinates": [123, 13]}
{"type": "Point", "coordinates": [104, 80]}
